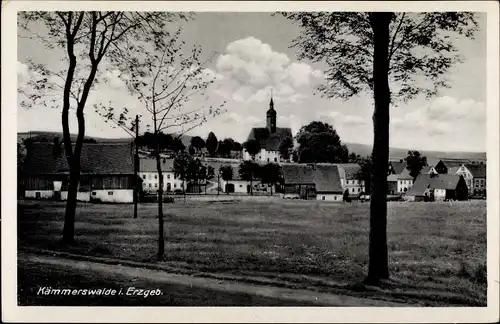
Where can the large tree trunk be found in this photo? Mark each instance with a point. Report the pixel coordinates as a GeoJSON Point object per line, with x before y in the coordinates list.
{"type": "Point", "coordinates": [161, 238]}
{"type": "Point", "coordinates": [69, 216]}
{"type": "Point", "coordinates": [378, 256]}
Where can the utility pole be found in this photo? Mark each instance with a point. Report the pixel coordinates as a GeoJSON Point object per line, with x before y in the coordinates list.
{"type": "Point", "coordinates": [136, 166]}
{"type": "Point", "coordinates": [218, 182]}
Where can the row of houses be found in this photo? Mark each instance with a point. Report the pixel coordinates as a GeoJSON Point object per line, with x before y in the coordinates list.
{"type": "Point", "coordinates": [107, 175]}
{"type": "Point", "coordinates": [448, 179]}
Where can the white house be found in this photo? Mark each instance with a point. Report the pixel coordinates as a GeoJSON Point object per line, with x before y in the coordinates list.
{"type": "Point", "coordinates": [349, 179]}
{"type": "Point", "coordinates": [148, 172]}
{"type": "Point", "coordinates": [399, 183]}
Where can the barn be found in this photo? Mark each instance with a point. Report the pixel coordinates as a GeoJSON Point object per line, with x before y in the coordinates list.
{"type": "Point", "coordinates": [431, 187]}
{"type": "Point", "coordinates": [312, 181]}
{"type": "Point", "coordinates": [107, 172]}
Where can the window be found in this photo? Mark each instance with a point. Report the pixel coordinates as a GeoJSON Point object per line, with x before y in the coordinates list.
{"type": "Point", "coordinates": [267, 159]}
{"type": "Point", "coordinates": [94, 193]}
{"type": "Point", "coordinates": [359, 189]}
{"type": "Point", "coordinates": [149, 185]}
{"type": "Point", "coordinates": [241, 186]}
{"type": "Point", "coordinates": [110, 193]}
{"type": "Point", "coordinates": [175, 185]}
{"type": "Point", "coordinates": [482, 182]}
{"type": "Point", "coordinates": [275, 160]}
{"type": "Point", "coordinates": [334, 197]}
{"type": "Point", "coordinates": [156, 184]}
{"type": "Point", "coordinates": [144, 176]}
{"type": "Point", "coordinates": [323, 198]}
{"type": "Point", "coordinates": [37, 194]}
{"type": "Point", "coordinates": [156, 176]}
{"type": "Point", "coordinates": [168, 176]}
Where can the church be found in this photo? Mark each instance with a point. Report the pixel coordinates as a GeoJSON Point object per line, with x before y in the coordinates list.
{"type": "Point", "coordinates": [270, 138]}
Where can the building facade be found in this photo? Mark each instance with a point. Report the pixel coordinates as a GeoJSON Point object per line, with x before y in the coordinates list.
{"type": "Point", "coordinates": [148, 172]}
{"type": "Point", "coordinates": [399, 184]}
{"type": "Point", "coordinates": [349, 179]}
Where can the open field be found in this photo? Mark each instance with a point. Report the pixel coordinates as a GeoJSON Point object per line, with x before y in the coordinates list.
{"type": "Point", "coordinates": [437, 251]}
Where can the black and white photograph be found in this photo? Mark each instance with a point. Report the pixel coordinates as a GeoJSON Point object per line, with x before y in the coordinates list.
{"type": "Point", "coordinates": [276, 157]}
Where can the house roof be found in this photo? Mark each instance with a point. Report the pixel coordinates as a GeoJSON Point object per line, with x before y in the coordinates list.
{"type": "Point", "coordinates": [402, 176]}
{"type": "Point", "coordinates": [426, 169]}
{"type": "Point", "coordinates": [297, 174]}
{"type": "Point", "coordinates": [398, 166]}
{"type": "Point", "coordinates": [348, 171]}
{"type": "Point", "coordinates": [426, 181]}
{"type": "Point", "coordinates": [453, 164]}
{"type": "Point", "coordinates": [149, 165]}
{"type": "Point", "coordinates": [270, 142]}
{"type": "Point", "coordinates": [477, 170]}
{"type": "Point", "coordinates": [325, 176]}
{"type": "Point", "coordinates": [96, 158]}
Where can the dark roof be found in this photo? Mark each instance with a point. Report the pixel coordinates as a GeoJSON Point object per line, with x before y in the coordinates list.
{"type": "Point", "coordinates": [477, 170]}
{"type": "Point", "coordinates": [271, 142]}
{"type": "Point", "coordinates": [297, 174]}
{"type": "Point", "coordinates": [324, 176]}
{"type": "Point", "coordinates": [398, 166]}
{"type": "Point", "coordinates": [453, 163]}
{"type": "Point", "coordinates": [149, 165]}
{"type": "Point", "coordinates": [441, 181]}
{"type": "Point", "coordinates": [100, 158]}
{"type": "Point", "coordinates": [327, 178]}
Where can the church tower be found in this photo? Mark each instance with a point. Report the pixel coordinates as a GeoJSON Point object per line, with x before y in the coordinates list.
{"type": "Point", "coordinates": [271, 117]}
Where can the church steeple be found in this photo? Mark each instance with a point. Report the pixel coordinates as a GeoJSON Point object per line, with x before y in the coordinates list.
{"type": "Point", "coordinates": [271, 117]}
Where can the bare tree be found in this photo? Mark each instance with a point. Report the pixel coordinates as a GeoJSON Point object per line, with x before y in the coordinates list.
{"type": "Point", "coordinates": [164, 80]}
{"type": "Point", "coordinates": [86, 40]}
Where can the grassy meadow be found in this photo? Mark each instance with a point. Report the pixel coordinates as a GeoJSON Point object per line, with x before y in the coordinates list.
{"type": "Point", "coordinates": [437, 251]}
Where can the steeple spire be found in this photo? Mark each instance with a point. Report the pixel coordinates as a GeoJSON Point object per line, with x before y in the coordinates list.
{"type": "Point", "coordinates": [271, 103]}
{"type": "Point", "coordinates": [271, 116]}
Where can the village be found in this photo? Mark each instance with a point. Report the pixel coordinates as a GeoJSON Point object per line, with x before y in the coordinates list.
{"type": "Point", "coordinates": [108, 174]}
{"type": "Point", "coordinates": [314, 158]}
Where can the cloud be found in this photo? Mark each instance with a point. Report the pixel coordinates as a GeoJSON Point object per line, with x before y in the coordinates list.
{"type": "Point", "coordinates": [250, 69]}
{"type": "Point", "coordinates": [245, 122]}
{"type": "Point", "coordinates": [442, 116]}
{"type": "Point", "coordinates": [340, 119]}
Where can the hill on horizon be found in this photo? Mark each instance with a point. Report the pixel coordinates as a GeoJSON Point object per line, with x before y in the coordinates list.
{"type": "Point", "coordinates": [362, 149]}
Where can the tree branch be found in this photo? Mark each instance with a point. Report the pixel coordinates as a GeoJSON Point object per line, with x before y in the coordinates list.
{"type": "Point", "coordinates": [395, 34]}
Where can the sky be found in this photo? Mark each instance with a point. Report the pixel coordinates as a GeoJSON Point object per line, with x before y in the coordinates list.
{"type": "Point", "coordinates": [254, 58]}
